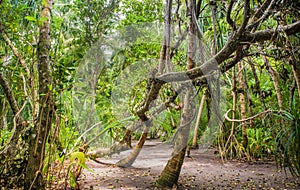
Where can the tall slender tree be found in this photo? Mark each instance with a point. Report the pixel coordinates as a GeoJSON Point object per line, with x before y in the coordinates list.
{"type": "Point", "coordinates": [39, 133]}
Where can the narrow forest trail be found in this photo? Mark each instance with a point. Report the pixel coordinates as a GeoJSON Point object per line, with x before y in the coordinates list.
{"type": "Point", "coordinates": [203, 170]}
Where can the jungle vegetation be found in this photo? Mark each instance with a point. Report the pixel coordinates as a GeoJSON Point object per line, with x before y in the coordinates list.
{"type": "Point", "coordinates": [83, 79]}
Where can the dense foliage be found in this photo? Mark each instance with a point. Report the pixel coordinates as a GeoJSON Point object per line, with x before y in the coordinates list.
{"type": "Point", "coordinates": [104, 63]}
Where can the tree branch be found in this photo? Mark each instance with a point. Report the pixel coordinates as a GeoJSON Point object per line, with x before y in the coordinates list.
{"type": "Point", "coordinates": [261, 14]}
{"type": "Point", "coordinates": [10, 97]}
{"type": "Point", "coordinates": [228, 17]}
{"type": "Point", "coordinates": [15, 50]}
{"type": "Point", "coordinates": [246, 18]}
{"type": "Point", "coordinates": [261, 10]}
{"type": "Point", "coordinates": [264, 35]}
{"type": "Point", "coordinates": [249, 118]}
{"type": "Point", "coordinates": [230, 47]}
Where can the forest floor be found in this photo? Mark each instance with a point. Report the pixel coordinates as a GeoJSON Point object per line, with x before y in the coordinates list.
{"type": "Point", "coordinates": [204, 170]}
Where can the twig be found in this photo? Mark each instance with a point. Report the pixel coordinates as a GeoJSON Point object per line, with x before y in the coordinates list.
{"type": "Point", "coordinates": [83, 135]}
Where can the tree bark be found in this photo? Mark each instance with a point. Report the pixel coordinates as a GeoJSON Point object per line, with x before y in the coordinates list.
{"type": "Point", "coordinates": [128, 161]}
{"type": "Point", "coordinates": [194, 144]}
{"type": "Point", "coordinates": [164, 61]}
{"type": "Point", "coordinates": [38, 135]}
{"type": "Point", "coordinates": [275, 82]}
{"type": "Point", "coordinates": [242, 105]}
{"type": "Point", "coordinates": [171, 172]}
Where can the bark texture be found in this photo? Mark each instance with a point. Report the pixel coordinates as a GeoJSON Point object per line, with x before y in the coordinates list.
{"type": "Point", "coordinates": [129, 160]}
{"type": "Point", "coordinates": [171, 172]}
{"type": "Point", "coordinates": [38, 135]}
{"type": "Point", "coordinates": [194, 144]}
{"type": "Point", "coordinates": [274, 77]}
{"type": "Point", "coordinates": [242, 105]}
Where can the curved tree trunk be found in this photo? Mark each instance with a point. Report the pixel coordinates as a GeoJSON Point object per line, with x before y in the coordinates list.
{"type": "Point", "coordinates": [128, 161]}
{"type": "Point", "coordinates": [163, 63]}
{"type": "Point", "coordinates": [171, 172]}
{"type": "Point", "coordinates": [38, 135]}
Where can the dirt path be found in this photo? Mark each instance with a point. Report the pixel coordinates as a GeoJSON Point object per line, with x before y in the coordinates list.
{"type": "Point", "coordinates": [203, 171]}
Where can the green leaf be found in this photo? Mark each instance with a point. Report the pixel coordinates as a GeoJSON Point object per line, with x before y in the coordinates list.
{"type": "Point", "coordinates": [86, 167]}
{"type": "Point", "coordinates": [73, 182]}
{"type": "Point", "coordinates": [30, 18]}
{"type": "Point", "coordinates": [44, 2]}
{"type": "Point", "coordinates": [78, 155]}
{"type": "Point", "coordinates": [42, 19]}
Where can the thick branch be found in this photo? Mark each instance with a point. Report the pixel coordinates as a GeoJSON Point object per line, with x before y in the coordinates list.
{"type": "Point", "coordinates": [198, 6]}
{"type": "Point", "coordinates": [264, 35]}
{"type": "Point", "coordinates": [245, 20]}
{"type": "Point", "coordinates": [225, 53]}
